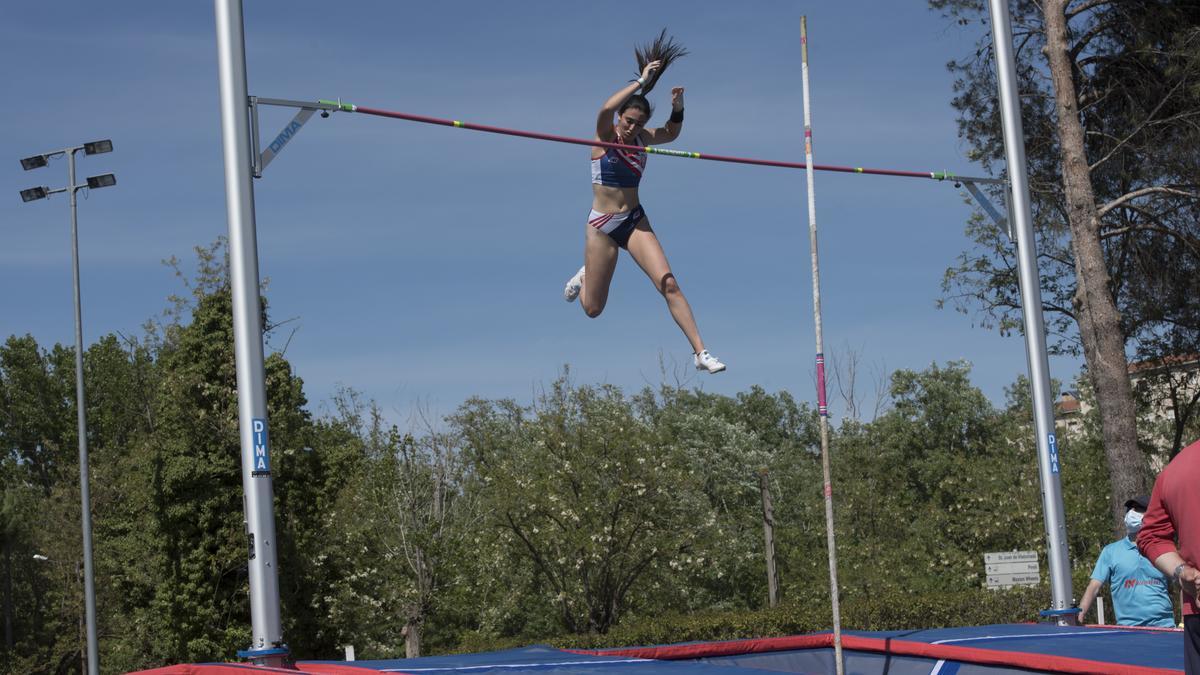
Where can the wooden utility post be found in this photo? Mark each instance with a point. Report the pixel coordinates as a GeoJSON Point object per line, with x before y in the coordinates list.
{"type": "Point", "coordinates": [769, 536]}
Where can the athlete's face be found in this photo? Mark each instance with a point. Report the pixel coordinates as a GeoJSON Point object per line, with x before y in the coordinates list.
{"type": "Point", "coordinates": [630, 122]}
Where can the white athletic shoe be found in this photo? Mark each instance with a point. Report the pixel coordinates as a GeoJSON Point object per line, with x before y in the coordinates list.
{"type": "Point", "coordinates": [574, 285]}
{"type": "Point", "coordinates": [706, 361]}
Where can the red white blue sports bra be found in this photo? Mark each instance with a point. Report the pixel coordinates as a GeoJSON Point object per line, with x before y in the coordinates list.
{"type": "Point", "coordinates": [619, 168]}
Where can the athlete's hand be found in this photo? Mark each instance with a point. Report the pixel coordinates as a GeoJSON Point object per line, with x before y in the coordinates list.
{"type": "Point", "coordinates": [676, 98]}
{"type": "Point", "coordinates": [650, 69]}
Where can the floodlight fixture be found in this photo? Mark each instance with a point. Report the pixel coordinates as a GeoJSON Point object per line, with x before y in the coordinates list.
{"type": "Point", "coordinates": [35, 162]}
{"type": "Point", "coordinates": [101, 181]}
{"type": "Point", "coordinates": [97, 147]}
{"type": "Point", "coordinates": [33, 194]}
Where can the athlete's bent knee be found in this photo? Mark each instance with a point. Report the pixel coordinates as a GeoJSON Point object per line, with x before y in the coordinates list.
{"type": "Point", "coordinates": [592, 311]}
{"type": "Point", "coordinates": [668, 285]}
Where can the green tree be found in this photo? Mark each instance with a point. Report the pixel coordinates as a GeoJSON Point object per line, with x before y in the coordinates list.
{"type": "Point", "coordinates": [932, 485]}
{"type": "Point", "coordinates": [1109, 104]}
{"type": "Point", "coordinates": [408, 518]}
{"type": "Point", "coordinates": [315, 464]}
{"type": "Point", "coordinates": [727, 441]}
{"type": "Point", "coordinates": [178, 521]}
{"type": "Point", "coordinates": [37, 407]}
{"type": "Point", "coordinates": [35, 597]}
{"type": "Point", "coordinates": [592, 496]}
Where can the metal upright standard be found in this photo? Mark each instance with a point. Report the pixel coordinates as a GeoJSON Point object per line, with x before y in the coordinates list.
{"type": "Point", "coordinates": [822, 404]}
{"type": "Point", "coordinates": [267, 646]}
{"type": "Point", "coordinates": [1021, 217]}
{"type": "Point", "coordinates": [85, 497]}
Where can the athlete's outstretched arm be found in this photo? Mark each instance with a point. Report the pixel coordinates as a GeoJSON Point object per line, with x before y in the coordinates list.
{"type": "Point", "coordinates": [604, 121]}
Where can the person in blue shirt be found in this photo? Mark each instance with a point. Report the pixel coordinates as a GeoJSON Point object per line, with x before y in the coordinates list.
{"type": "Point", "coordinates": [1139, 590]}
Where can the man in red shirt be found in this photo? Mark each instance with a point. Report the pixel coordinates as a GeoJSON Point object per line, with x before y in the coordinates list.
{"type": "Point", "coordinates": [1174, 513]}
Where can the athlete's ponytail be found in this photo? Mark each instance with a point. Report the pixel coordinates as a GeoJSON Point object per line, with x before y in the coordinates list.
{"type": "Point", "coordinates": [663, 49]}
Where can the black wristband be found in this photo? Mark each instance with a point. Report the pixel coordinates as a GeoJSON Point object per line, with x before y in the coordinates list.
{"type": "Point", "coordinates": [676, 116]}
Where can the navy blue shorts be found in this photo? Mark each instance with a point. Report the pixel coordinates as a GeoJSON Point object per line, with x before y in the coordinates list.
{"type": "Point", "coordinates": [618, 226]}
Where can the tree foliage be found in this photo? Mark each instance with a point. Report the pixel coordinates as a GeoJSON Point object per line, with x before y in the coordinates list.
{"type": "Point", "coordinates": [587, 512]}
{"type": "Point", "coordinates": [1110, 102]}
{"type": "Point", "coordinates": [1138, 82]}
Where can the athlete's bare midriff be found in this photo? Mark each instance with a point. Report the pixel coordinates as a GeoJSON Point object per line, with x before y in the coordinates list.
{"type": "Point", "coordinates": [611, 199]}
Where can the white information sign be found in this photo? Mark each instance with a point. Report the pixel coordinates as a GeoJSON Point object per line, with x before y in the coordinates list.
{"type": "Point", "coordinates": [1012, 568]}
{"type": "Point", "coordinates": [1006, 569]}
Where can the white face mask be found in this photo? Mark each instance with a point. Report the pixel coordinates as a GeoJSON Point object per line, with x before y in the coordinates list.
{"type": "Point", "coordinates": [1133, 522]}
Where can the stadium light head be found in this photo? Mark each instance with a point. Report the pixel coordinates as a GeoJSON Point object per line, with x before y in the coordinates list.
{"type": "Point", "coordinates": [35, 162]}
{"type": "Point", "coordinates": [97, 147]}
{"type": "Point", "coordinates": [33, 194]}
{"type": "Point", "coordinates": [102, 181]}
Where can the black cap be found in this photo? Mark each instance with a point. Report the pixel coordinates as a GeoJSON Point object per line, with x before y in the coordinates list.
{"type": "Point", "coordinates": [1140, 502]}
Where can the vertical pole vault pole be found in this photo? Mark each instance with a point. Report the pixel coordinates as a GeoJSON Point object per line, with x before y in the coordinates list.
{"type": "Point", "coordinates": [822, 405]}
{"type": "Point", "coordinates": [1021, 218]}
{"type": "Point", "coordinates": [267, 647]}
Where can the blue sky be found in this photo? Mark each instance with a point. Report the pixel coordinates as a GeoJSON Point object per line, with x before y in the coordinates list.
{"type": "Point", "coordinates": [423, 265]}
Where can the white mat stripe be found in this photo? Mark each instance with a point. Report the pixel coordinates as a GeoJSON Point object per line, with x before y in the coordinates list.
{"type": "Point", "coordinates": [1032, 635]}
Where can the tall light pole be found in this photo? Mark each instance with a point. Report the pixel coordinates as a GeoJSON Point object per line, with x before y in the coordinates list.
{"type": "Point", "coordinates": [33, 194]}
